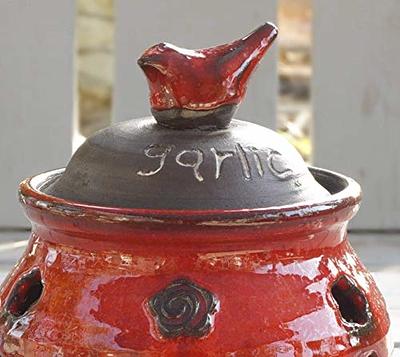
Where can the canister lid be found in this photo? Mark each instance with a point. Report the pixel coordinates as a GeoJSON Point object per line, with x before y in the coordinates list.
{"type": "Point", "coordinates": [191, 154]}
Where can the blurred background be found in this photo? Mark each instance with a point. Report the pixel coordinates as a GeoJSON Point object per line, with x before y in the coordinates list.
{"type": "Point", "coordinates": [330, 85]}
{"type": "Point", "coordinates": [95, 48]}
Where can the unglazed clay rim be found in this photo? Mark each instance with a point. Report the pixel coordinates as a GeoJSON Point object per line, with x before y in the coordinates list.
{"type": "Point", "coordinates": [349, 197]}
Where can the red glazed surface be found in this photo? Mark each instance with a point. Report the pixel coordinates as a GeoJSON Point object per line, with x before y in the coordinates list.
{"type": "Point", "coordinates": [206, 78]}
{"type": "Point", "coordinates": [270, 270]}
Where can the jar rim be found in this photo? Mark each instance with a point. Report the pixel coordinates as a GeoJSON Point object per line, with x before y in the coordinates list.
{"type": "Point", "coordinates": [345, 193]}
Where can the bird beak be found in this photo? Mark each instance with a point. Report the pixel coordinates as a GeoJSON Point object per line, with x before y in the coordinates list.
{"type": "Point", "coordinates": [152, 58]}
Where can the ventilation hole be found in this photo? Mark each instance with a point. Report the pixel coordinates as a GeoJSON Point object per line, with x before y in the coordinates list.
{"type": "Point", "coordinates": [352, 303]}
{"type": "Point", "coordinates": [25, 293]}
{"type": "Point", "coordinates": [372, 354]}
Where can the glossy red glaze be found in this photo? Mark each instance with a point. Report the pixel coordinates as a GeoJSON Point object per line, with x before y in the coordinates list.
{"type": "Point", "coordinates": [207, 78]}
{"type": "Point", "coordinates": [271, 272]}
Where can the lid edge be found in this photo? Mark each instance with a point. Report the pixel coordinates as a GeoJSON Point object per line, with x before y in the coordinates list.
{"type": "Point", "coordinates": [31, 194]}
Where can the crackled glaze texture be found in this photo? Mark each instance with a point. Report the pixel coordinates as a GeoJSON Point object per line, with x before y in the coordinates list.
{"type": "Point", "coordinates": [191, 263]}
{"type": "Point", "coordinates": [204, 79]}
{"type": "Point", "coordinates": [275, 282]}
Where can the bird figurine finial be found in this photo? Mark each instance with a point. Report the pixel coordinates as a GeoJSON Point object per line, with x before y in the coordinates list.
{"type": "Point", "coordinates": [202, 88]}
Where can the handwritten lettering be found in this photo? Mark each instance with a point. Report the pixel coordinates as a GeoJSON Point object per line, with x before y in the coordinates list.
{"type": "Point", "coordinates": [277, 166]}
{"type": "Point", "coordinates": [195, 164]}
{"type": "Point", "coordinates": [220, 156]}
{"type": "Point", "coordinates": [243, 161]}
{"type": "Point", "coordinates": [257, 160]}
{"type": "Point", "coordinates": [155, 151]}
{"type": "Point", "coordinates": [251, 160]}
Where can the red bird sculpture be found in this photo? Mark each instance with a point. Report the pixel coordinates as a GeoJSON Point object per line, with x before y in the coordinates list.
{"type": "Point", "coordinates": [208, 84]}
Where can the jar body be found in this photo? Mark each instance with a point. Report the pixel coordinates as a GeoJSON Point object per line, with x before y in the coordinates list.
{"type": "Point", "coordinates": [121, 289]}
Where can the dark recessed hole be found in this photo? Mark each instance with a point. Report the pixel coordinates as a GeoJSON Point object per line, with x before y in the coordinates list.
{"type": "Point", "coordinates": [372, 354]}
{"type": "Point", "coordinates": [328, 180]}
{"type": "Point", "coordinates": [352, 303]}
{"type": "Point", "coordinates": [25, 293]}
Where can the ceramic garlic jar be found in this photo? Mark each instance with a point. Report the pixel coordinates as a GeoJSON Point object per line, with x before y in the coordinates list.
{"type": "Point", "coordinates": [190, 233]}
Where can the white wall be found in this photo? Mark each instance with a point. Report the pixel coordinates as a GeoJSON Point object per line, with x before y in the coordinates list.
{"type": "Point", "coordinates": [356, 98]}
{"type": "Point", "coordinates": [355, 86]}
{"type": "Point", "coordinates": [36, 94]}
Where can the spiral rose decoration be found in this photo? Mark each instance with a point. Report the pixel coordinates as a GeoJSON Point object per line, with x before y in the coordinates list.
{"type": "Point", "coordinates": [183, 309]}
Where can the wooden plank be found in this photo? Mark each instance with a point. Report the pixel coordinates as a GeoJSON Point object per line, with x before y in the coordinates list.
{"type": "Point", "coordinates": [191, 24]}
{"type": "Point", "coordinates": [36, 94]}
{"type": "Point", "coordinates": [355, 89]}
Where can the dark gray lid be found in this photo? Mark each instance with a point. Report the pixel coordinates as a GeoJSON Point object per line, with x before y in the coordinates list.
{"type": "Point", "coordinates": [190, 155]}
{"type": "Point", "coordinates": [140, 164]}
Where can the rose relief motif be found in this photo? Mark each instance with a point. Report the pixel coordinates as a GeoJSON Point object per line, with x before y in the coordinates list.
{"type": "Point", "coordinates": [183, 309]}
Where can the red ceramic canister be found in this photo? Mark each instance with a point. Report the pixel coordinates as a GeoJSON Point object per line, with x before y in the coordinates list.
{"type": "Point", "coordinates": [191, 234]}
